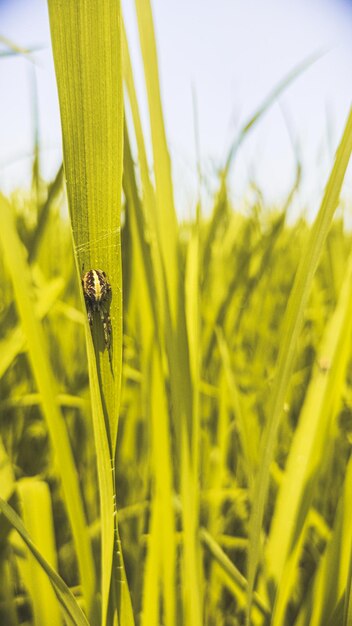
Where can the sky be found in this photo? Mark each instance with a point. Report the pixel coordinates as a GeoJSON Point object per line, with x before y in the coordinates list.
{"type": "Point", "coordinates": [217, 62]}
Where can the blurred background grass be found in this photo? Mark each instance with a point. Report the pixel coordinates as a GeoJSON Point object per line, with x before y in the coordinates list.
{"type": "Point", "coordinates": [204, 304]}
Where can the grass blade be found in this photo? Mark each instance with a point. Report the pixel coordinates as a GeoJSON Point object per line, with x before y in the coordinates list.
{"type": "Point", "coordinates": [166, 215]}
{"type": "Point", "coordinates": [71, 610]}
{"type": "Point", "coordinates": [230, 569]}
{"type": "Point", "coordinates": [290, 333]}
{"type": "Point", "coordinates": [87, 52]}
{"type": "Point", "coordinates": [267, 103]}
{"type": "Point", "coordinates": [86, 45]}
{"type": "Point", "coordinates": [37, 516]}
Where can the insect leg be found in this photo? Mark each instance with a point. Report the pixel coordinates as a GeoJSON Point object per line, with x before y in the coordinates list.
{"type": "Point", "coordinates": [105, 318]}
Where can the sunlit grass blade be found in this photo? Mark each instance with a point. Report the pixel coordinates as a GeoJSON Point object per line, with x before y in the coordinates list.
{"type": "Point", "coordinates": [148, 194]}
{"type": "Point", "coordinates": [145, 219]}
{"type": "Point", "coordinates": [290, 333]}
{"type": "Point", "coordinates": [166, 216]}
{"type": "Point", "coordinates": [268, 101]}
{"type": "Point", "coordinates": [37, 353]}
{"type": "Point", "coordinates": [38, 520]}
{"type": "Point", "coordinates": [149, 283]}
{"type": "Point", "coordinates": [168, 277]}
{"type": "Point", "coordinates": [87, 55]}
{"type": "Point", "coordinates": [72, 612]}
{"type": "Point", "coordinates": [163, 488]}
{"type": "Point", "coordinates": [44, 211]}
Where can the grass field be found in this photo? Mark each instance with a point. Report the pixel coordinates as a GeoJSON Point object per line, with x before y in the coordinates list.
{"type": "Point", "coordinates": [199, 471]}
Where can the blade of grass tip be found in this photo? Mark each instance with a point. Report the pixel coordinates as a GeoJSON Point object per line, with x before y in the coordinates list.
{"type": "Point", "coordinates": [167, 232]}
{"type": "Point", "coordinates": [291, 328]}
{"type": "Point", "coordinates": [198, 154]}
{"type": "Point", "coordinates": [145, 210]}
{"type": "Point", "coordinates": [87, 55]}
{"type": "Point", "coordinates": [166, 215]}
{"type": "Point", "coordinates": [36, 141]}
{"type": "Point", "coordinates": [147, 187]}
{"type": "Point", "coordinates": [142, 217]}
{"type": "Point", "coordinates": [268, 101]}
{"type": "Point", "coordinates": [161, 219]}
{"type": "Point", "coordinates": [220, 210]}
{"type": "Point", "coordinates": [71, 610]}
{"type": "Point", "coordinates": [37, 353]}
{"type": "Point", "coordinates": [15, 49]}
{"type": "Point", "coordinates": [44, 211]}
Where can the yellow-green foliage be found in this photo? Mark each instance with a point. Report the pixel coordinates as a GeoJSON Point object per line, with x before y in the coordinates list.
{"type": "Point", "coordinates": [213, 485]}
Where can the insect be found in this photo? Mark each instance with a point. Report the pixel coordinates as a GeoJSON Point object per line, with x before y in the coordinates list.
{"type": "Point", "coordinates": [97, 293]}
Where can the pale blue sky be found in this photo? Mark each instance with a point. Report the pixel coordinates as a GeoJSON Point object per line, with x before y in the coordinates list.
{"type": "Point", "coordinates": [232, 52]}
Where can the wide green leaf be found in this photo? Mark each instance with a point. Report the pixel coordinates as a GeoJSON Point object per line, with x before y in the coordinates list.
{"type": "Point", "coordinates": [86, 42]}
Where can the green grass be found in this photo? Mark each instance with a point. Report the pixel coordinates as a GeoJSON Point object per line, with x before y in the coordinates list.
{"type": "Point", "coordinates": [201, 472]}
